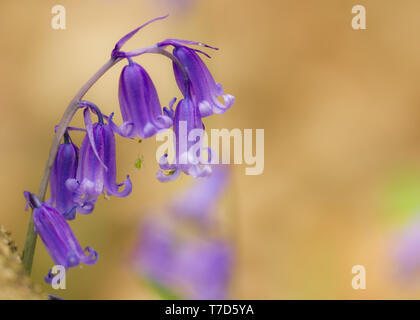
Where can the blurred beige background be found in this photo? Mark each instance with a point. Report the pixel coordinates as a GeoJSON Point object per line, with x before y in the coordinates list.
{"type": "Point", "coordinates": [340, 109]}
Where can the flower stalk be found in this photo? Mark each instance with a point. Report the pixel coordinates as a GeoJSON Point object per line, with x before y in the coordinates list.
{"type": "Point", "coordinates": [73, 106]}
{"type": "Point", "coordinates": [31, 236]}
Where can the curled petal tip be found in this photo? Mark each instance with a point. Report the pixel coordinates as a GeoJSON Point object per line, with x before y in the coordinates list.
{"type": "Point", "coordinates": [92, 256]}
{"type": "Point", "coordinates": [170, 176]}
{"type": "Point", "coordinates": [126, 130]}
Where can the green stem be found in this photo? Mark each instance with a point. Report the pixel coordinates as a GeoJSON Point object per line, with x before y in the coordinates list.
{"type": "Point", "coordinates": [31, 236]}
{"type": "Point", "coordinates": [29, 249]}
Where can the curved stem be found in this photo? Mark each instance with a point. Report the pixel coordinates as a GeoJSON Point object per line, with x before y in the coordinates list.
{"type": "Point", "coordinates": [31, 236]}
{"type": "Point", "coordinates": [178, 63]}
{"type": "Point", "coordinates": [73, 106]}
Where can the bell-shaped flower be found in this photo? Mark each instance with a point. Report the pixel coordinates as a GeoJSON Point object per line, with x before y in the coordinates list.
{"type": "Point", "coordinates": [96, 172]}
{"type": "Point", "coordinates": [139, 102]}
{"type": "Point", "coordinates": [188, 137]}
{"type": "Point", "coordinates": [57, 236]}
{"type": "Point", "coordinates": [65, 167]}
{"type": "Point", "coordinates": [205, 91]}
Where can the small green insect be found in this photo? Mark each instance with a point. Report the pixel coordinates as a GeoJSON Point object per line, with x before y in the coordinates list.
{"type": "Point", "coordinates": [139, 162]}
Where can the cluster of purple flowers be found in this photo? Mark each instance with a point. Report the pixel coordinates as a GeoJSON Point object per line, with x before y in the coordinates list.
{"type": "Point", "coordinates": [80, 176]}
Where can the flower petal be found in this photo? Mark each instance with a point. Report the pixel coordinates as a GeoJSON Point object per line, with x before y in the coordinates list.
{"type": "Point", "coordinates": [163, 177]}
{"type": "Point", "coordinates": [89, 130]}
{"type": "Point", "coordinates": [126, 130]}
{"type": "Point", "coordinates": [116, 52]}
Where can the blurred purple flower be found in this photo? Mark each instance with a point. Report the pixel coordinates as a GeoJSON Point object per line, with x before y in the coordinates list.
{"type": "Point", "coordinates": [178, 7]}
{"type": "Point", "coordinates": [139, 102]}
{"type": "Point", "coordinates": [57, 236]}
{"type": "Point", "coordinates": [96, 172]}
{"type": "Point", "coordinates": [65, 167]}
{"type": "Point", "coordinates": [407, 250]}
{"type": "Point", "coordinates": [193, 268]}
{"type": "Point", "coordinates": [192, 264]}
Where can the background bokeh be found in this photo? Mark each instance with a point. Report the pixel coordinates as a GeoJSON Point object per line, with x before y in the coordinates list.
{"type": "Point", "coordinates": [340, 109]}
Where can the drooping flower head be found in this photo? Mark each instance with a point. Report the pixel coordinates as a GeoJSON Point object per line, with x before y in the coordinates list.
{"type": "Point", "coordinates": [96, 172]}
{"type": "Point", "coordinates": [204, 89]}
{"type": "Point", "coordinates": [65, 167]}
{"type": "Point", "coordinates": [57, 236]}
{"type": "Point", "coordinates": [139, 102]}
{"type": "Point", "coordinates": [188, 134]}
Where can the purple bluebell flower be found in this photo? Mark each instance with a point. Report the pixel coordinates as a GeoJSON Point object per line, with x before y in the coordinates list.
{"type": "Point", "coordinates": [190, 267]}
{"type": "Point", "coordinates": [96, 172]}
{"type": "Point", "coordinates": [204, 89]}
{"type": "Point", "coordinates": [65, 167]}
{"type": "Point", "coordinates": [189, 132]}
{"type": "Point", "coordinates": [57, 236]}
{"type": "Point", "coordinates": [139, 102]}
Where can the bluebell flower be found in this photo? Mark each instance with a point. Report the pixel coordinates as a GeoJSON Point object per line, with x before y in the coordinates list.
{"type": "Point", "coordinates": [188, 131]}
{"type": "Point", "coordinates": [139, 102]}
{"type": "Point", "coordinates": [57, 236]}
{"type": "Point", "coordinates": [65, 167]}
{"type": "Point", "coordinates": [205, 91]}
{"type": "Point", "coordinates": [96, 173]}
